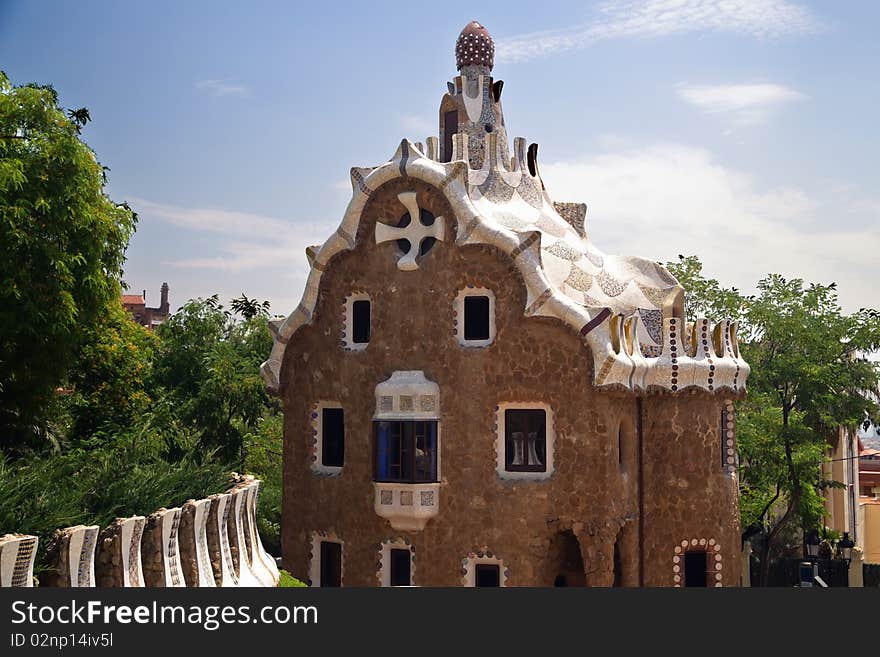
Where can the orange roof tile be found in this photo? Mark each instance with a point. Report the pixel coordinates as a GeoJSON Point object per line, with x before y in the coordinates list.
{"type": "Point", "coordinates": [133, 299]}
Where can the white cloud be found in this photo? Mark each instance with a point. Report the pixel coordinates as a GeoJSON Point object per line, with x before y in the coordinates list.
{"type": "Point", "coordinates": [221, 88]}
{"type": "Point", "coordinates": [652, 18]}
{"type": "Point", "coordinates": [745, 104]}
{"type": "Point", "coordinates": [670, 199]}
{"type": "Point", "coordinates": [417, 126]}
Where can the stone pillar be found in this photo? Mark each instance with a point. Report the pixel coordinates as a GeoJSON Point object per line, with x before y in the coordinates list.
{"type": "Point", "coordinates": [160, 550]}
{"type": "Point", "coordinates": [262, 562]}
{"type": "Point", "coordinates": [72, 553]}
{"type": "Point", "coordinates": [17, 554]}
{"type": "Point", "coordinates": [118, 563]}
{"type": "Point", "coordinates": [218, 541]}
{"type": "Point", "coordinates": [193, 541]}
{"type": "Point", "coordinates": [238, 541]}
{"type": "Point", "coordinates": [745, 565]}
{"type": "Point", "coordinates": [856, 569]}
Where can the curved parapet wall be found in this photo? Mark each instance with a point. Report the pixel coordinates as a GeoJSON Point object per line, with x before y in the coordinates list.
{"type": "Point", "coordinates": [238, 537]}
{"type": "Point", "coordinates": [72, 553]}
{"type": "Point", "coordinates": [265, 559]}
{"type": "Point", "coordinates": [160, 550]}
{"type": "Point", "coordinates": [17, 554]}
{"type": "Point", "coordinates": [193, 541]}
{"type": "Point", "coordinates": [118, 562]}
{"type": "Point", "coordinates": [218, 541]}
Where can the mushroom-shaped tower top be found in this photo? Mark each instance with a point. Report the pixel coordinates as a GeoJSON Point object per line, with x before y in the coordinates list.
{"type": "Point", "coordinates": [474, 47]}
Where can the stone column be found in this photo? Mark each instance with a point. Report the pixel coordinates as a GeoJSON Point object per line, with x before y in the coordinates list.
{"type": "Point", "coordinates": [266, 559]}
{"type": "Point", "coordinates": [218, 541]}
{"type": "Point", "coordinates": [238, 542]}
{"type": "Point", "coordinates": [856, 569]}
{"type": "Point", "coordinates": [17, 554]}
{"type": "Point", "coordinates": [118, 563]}
{"type": "Point", "coordinates": [72, 553]}
{"type": "Point", "coordinates": [745, 565]}
{"type": "Point", "coordinates": [160, 550]}
{"type": "Point", "coordinates": [193, 541]}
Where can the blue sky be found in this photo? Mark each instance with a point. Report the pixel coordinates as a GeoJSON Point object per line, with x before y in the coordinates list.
{"type": "Point", "coordinates": [743, 131]}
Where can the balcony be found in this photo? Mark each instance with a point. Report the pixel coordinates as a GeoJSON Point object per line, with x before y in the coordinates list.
{"type": "Point", "coordinates": [408, 507]}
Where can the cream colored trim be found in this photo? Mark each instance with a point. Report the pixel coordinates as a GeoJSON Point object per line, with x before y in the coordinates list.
{"type": "Point", "coordinates": [317, 538]}
{"type": "Point", "coordinates": [383, 575]}
{"type": "Point", "coordinates": [482, 556]}
{"type": "Point", "coordinates": [316, 448]}
{"type": "Point", "coordinates": [550, 431]}
{"type": "Point", "coordinates": [458, 327]}
{"type": "Point", "coordinates": [713, 560]}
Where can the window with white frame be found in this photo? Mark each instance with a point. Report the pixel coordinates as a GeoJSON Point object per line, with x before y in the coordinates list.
{"type": "Point", "coordinates": [357, 325]}
{"type": "Point", "coordinates": [474, 321]}
{"type": "Point", "coordinates": [484, 569]}
{"type": "Point", "coordinates": [524, 440]}
{"type": "Point", "coordinates": [397, 563]}
{"type": "Point", "coordinates": [328, 438]}
{"type": "Point", "coordinates": [326, 567]}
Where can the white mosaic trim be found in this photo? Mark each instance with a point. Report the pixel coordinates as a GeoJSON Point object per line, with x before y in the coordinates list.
{"type": "Point", "coordinates": [317, 538]}
{"type": "Point", "coordinates": [458, 316]}
{"type": "Point", "coordinates": [713, 560]}
{"type": "Point", "coordinates": [482, 556]}
{"type": "Point", "coordinates": [549, 432]}
{"type": "Point", "coordinates": [729, 437]}
{"type": "Point", "coordinates": [479, 221]}
{"type": "Point", "coordinates": [383, 575]}
{"type": "Point", "coordinates": [347, 333]}
{"type": "Point", "coordinates": [316, 448]}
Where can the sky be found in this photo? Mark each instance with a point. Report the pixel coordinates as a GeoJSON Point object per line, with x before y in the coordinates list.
{"type": "Point", "coordinates": [741, 131]}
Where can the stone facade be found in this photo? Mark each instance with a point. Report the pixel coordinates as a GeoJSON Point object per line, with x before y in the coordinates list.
{"type": "Point", "coordinates": [639, 474]}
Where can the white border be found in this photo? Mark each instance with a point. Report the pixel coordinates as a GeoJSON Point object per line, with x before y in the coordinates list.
{"type": "Point", "coordinates": [315, 557]}
{"type": "Point", "coordinates": [383, 575]}
{"type": "Point", "coordinates": [458, 323]}
{"type": "Point", "coordinates": [348, 322]}
{"type": "Point", "coordinates": [317, 421]}
{"type": "Point", "coordinates": [470, 562]}
{"type": "Point", "coordinates": [710, 547]}
{"type": "Point", "coordinates": [549, 431]}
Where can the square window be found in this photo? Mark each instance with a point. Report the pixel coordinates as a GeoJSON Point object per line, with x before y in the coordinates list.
{"type": "Point", "coordinates": [332, 437]}
{"type": "Point", "coordinates": [476, 318]}
{"type": "Point", "coordinates": [695, 568]}
{"type": "Point", "coordinates": [525, 440]}
{"type": "Point", "coordinates": [360, 312]}
{"type": "Point", "coordinates": [405, 451]}
{"type": "Point", "coordinates": [401, 560]}
{"type": "Point", "coordinates": [331, 564]}
{"type": "Point", "coordinates": [487, 574]}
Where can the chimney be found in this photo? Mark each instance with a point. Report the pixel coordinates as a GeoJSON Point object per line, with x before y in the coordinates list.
{"type": "Point", "coordinates": [163, 306]}
{"type": "Point", "coordinates": [145, 296]}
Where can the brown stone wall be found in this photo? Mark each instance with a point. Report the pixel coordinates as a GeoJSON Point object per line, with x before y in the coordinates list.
{"type": "Point", "coordinates": [532, 359]}
{"type": "Point", "coordinates": [108, 561]}
{"type": "Point", "coordinates": [688, 494]}
{"type": "Point", "coordinates": [186, 541]}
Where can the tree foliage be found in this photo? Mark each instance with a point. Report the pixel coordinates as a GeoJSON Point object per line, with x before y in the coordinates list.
{"type": "Point", "coordinates": [62, 245]}
{"type": "Point", "coordinates": [810, 375]}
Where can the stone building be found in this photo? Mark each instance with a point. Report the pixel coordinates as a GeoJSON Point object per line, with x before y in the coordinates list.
{"type": "Point", "coordinates": [474, 394]}
{"type": "Point", "coordinates": [136, 305]}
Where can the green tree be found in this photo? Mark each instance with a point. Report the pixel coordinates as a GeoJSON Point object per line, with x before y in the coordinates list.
{"type": "Point", "coordinates": [208, 363]}
{"type": "Point", "coordinates": [110, 375]}
{"type": "Point", "coordinates": [809, 376]}
{"type": "Point", "coordinates": [62, 245]}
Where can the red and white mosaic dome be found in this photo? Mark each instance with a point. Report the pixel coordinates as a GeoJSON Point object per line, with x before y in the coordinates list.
{"type": "Point", "coordinates": [474, 47]}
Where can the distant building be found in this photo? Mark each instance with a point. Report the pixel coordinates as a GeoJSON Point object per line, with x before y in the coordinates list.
{"type": "Point", "coordinates": [136, 305]}
{"type": "Point", "coordinates": [855, 462]}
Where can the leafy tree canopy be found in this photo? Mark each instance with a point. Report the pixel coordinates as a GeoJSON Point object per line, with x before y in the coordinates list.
{"type": "Point", "coordinates": [62, 246]}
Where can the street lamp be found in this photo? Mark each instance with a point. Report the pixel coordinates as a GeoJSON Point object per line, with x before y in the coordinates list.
{"type": "Point", "coordinates": [811, 543]}
{"type": "Point", "coordinates": [846, 545]}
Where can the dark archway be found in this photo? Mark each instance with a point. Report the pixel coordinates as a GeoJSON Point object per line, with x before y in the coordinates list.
{"type": "Point", "coordinates": [566, 559]}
